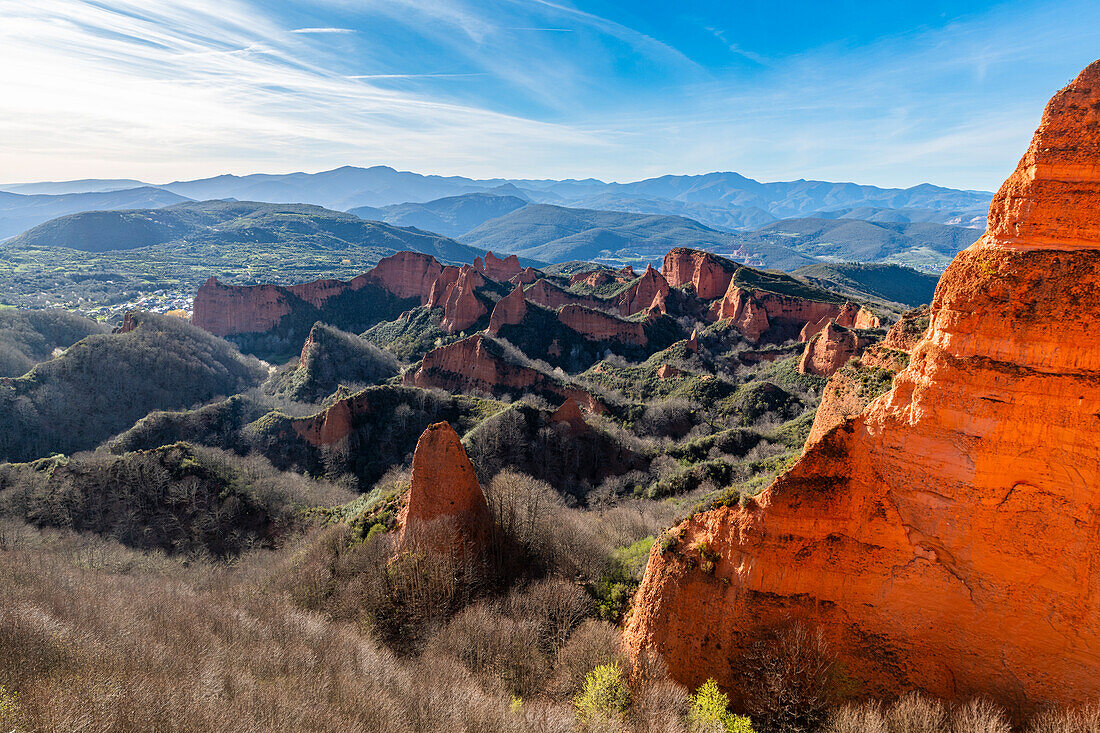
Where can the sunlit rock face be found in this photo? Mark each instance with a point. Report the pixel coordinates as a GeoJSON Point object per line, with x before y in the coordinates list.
{"type": "Point", "coordinates": [947, 537]}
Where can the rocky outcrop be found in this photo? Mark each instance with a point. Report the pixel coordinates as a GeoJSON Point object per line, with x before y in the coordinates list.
{"type": "Point", "coordinates": [831, 348]}
{"type": "Point", "coordinates": [455, 291]}
{"type": "Point", "coordinates": [406, 274]}
{"type": "Point", "coordinates": [479, 364]}
{"type": "Point", "coordinates": [945, 538]}
{"type": "Point", "coordinates": [756, 312]}
{"type": "Point", "coordinates": [667, 371]}
{"type": "Point", "coordinates": [499, 269]}
{"type": "Point", "coordinates": [509, 311]}
{"type": "Point", "coordinates": [570, 414]}
{"type": "Point", "coordinates": [229, 310]}
{"type": "Point", "coordinates": [855, 385]}
{"type": "Point", "coordinates": [526, 277]}
{"type": "Point", "coordinates": [851, 315]}
{"type": "Point", "coordinates": [445, 497]}
{"type": "Point", "coordinates": [709, 274]}
{"type": "Point", "coordinates": [129, 323]}
{"type": "Point", "coordinates": [596, 325]}
{"type": "Point", "coordinates": [639, 296]}
{"type": "Point", "coordinates": [549, 295]}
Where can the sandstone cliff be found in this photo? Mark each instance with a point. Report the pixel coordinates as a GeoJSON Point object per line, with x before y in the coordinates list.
{"type": "Point", "coordinates": [831, 348]}
{"type": "Point", "coordinates": [479, 364]}
{"type": "Point", "coordinates": [444, 488]}
{"type": "Point", "coordinates": [945, 539]}
{"type": "Point", "coordinates": [406, 274]}
{"type": "Point", "coordinates": [639, 296]}
{"type": "Point", "coordinates": [599, 326]}
{"type": "Point", "coordinates": [549, 295]}
{"type": "Point", "coordinates": [496, 268]}
{"type": "Point", "coordinates": [455, 291]}
{"type": "Point", "coordinates": [756, 312]}
{"type": "Point", "coordinates": [509, 311]}
{"type": "Point", "coordinates": [709, 274]}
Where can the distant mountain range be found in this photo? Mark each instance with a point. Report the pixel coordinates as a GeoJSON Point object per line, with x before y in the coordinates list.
{"type": "Point", "coordinates": [19, 212]}
{"type": "Point", "coordinates": [726, 200]}
{"type": "Point", "coordinates": [226, 224]}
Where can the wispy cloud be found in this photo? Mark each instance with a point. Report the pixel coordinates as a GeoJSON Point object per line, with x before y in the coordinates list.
{"type": "Point", "coordinates": [324, 30]}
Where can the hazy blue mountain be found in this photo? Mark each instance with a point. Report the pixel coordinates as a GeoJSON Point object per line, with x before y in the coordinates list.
{"type": "Point", "coordinates": [349, 187]}
{"type": "Point", "coordinates": [867, 281]}
{"type": "Point", "coordinates": [974, 219]}
{"type": "Point", "coordinates": [84, 185]}
{"type": "Point", "coordinates": [925, 246]}
{"type": "Point", "coordinates": [557, 234]}
{"type": "Point", "coordinates": [220, 224]}
{"type": "Point", "coordinates": [20, 212]}
{"type": "Point", "coordinates": [728, 218]}
{"type": "Point", "coordinates": [449, 216]}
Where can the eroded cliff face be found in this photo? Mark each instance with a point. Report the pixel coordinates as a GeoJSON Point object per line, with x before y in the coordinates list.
{"type": "Point", "coordinates": [509, 311]}
{"type": "Point", "coordinates": [599, 326]}
{"type": "Point", "coordinates": [477, 364]}
{"type": "Point", "coordinates": [640, 295]}
{"type": "Point", "coordinates": [755, 313]}
{"type": "Point", "coordinates": [444, 487]}
{"type": "Point", "coordinates": [549, 295]}
{"type": "Point", "coordinates": [502, 269]}
{"type": "Point", "coordinates": [709, 275]}
{"type": "Point", "coordinates": [946, 538]}
{"type": "Point", "coordinates": [455, 291]}
{"type": "Point", "coordinates": [407, 274]}
{"type": "Point", "coordinates": [831, 348]}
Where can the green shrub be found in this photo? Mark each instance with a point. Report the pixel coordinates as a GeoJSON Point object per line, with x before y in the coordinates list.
{"type": "Point", "coordinates": [605, 697]}
{"type": "Point", "coordinates": [708, 709]}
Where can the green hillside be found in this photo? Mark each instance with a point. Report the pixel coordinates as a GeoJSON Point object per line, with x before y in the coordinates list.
{"type": "Point", "coordinates": [892, 283]}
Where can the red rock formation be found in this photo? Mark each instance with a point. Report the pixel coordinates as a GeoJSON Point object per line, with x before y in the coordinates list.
{"type": "Point", "coordinates": [498, 269]}
{"type": "Point", "coordinates": [224, 310]}
{"type": "Point", "coordinates": [830, 349]}
{"type": "Point", "coordinates": [477, 363]}
{"type": "Point", "coordinates": [455, 292]}
{"type": "Point", "coordinates": [444, 487]}
{"type": "Point", "coordinates": [659, 306]}
{"type": "Point", "coordinates": [639, 296]}
{"type": "Point", "coordinates": [509, 310]}
{"type": "Point", "coordinates": [667, 371]}
{"type": "Point", "coordinates": [850, 390]}
{"type": "Point", "coordinates": [570, 414]}
{"type": "Point", "coordinates": [594, 278]}
{"type": "Point", "coordinates": [406, 274]}
{"type": "Point", "coordinates": [599, 326]}
{"type": "Point", "coordinates": [909, 330]}
{"type": "Point", "coordinates": [709, 274]}
{"type": "Point", "coordinates": [851, 315]}
{"type": "Point", "coordinates": [129, 323]}
{"type": "Point", "coordinates": [526, 277]}
{"type": "Point", "coordinates": [754, 313]}
{"type": "Point", "coordinates": [332, 424]}
{"type": "Point", "coordinates": [945, 539]}
{"type": "Point", "coordinates": [549, 295]}
{"type": "Point", "coordinates": [693, 342]}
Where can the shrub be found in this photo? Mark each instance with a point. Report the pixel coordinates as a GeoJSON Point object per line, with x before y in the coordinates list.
{"type": "Point", "coordinates": [708, 710]}
{"type": "Point", "coordinates": [605, 697]}
{"type": "Point", "coordinates": [593, 644]}
{"type": "Point", "coordinates": [916, 713]}
{"type": "Point", "coordinates": [11, 717]}
{"type": "Point", "coordinates": [791, 680]}
{"type": "Point", "coordinates": [979, 716]}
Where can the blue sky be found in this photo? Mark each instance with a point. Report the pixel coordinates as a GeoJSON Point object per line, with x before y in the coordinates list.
{"type": "Point", "coordinates": [888, 93]}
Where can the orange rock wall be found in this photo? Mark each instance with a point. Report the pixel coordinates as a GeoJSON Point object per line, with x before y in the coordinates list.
{"type": "Point", "coordinates": [708, 274]}
{"type": "Point", "coordinates": [455, 292]}
{"type": "Point", "coordinates": [406, 274]}
{"type": "Point", "coordinates": [946, 538]}
{"type": "Point", "coordinates": [599, 326]}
